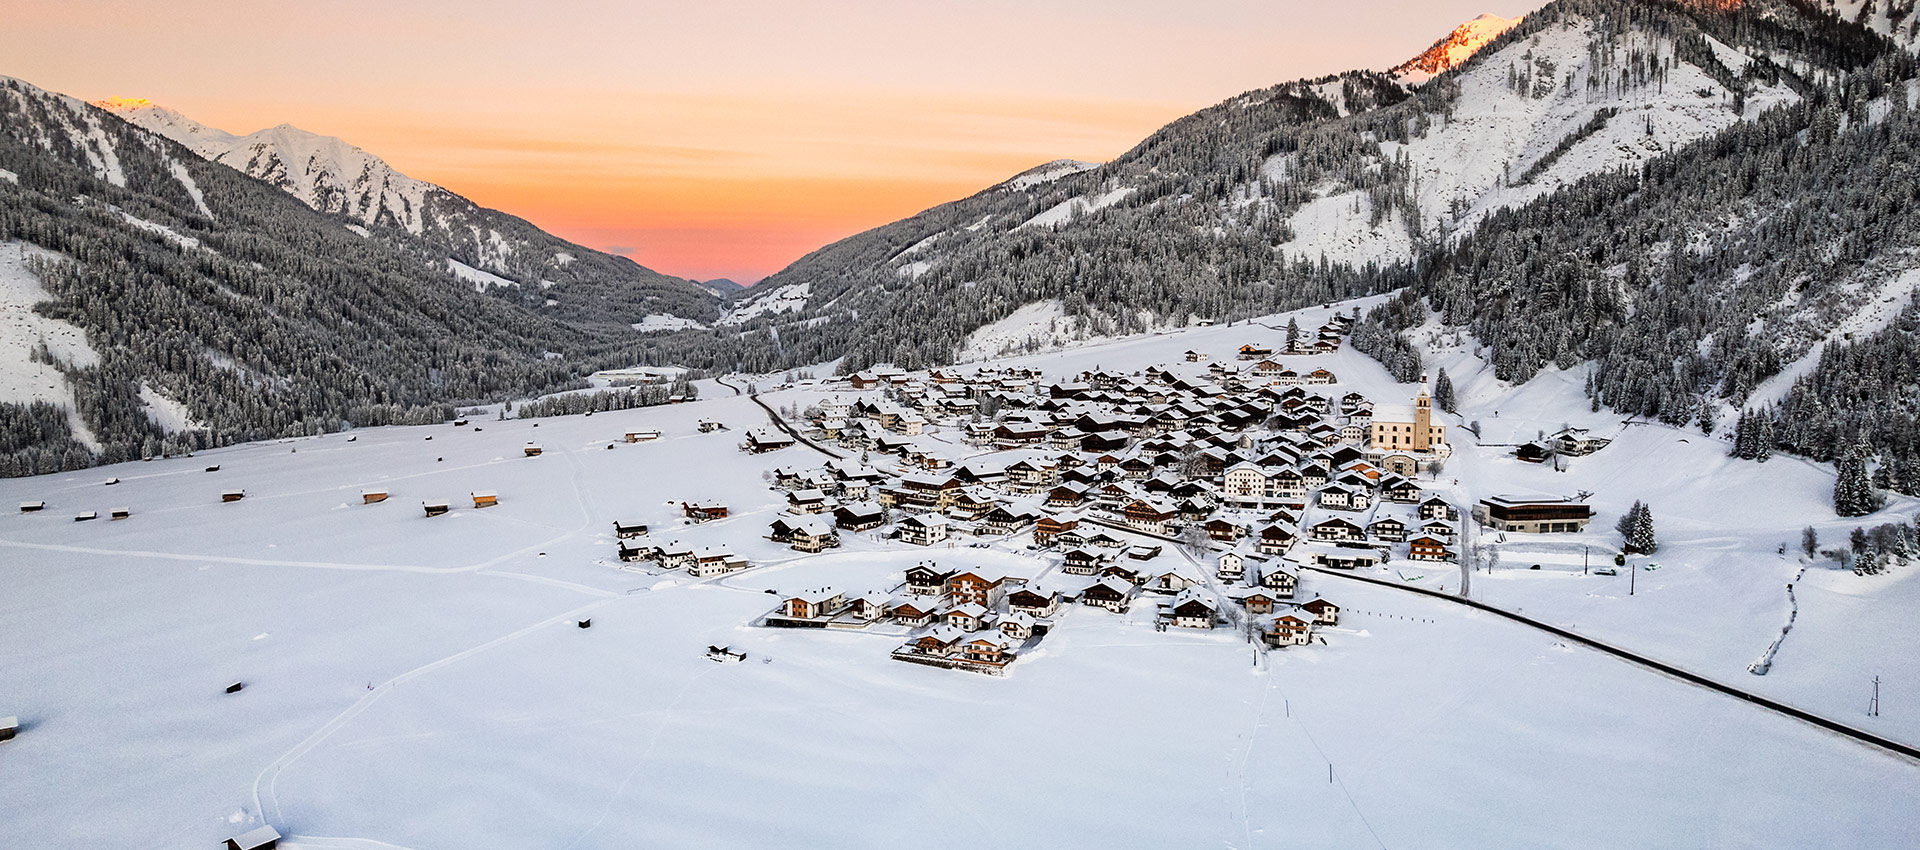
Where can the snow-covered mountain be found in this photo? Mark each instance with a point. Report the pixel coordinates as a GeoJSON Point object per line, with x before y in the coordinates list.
{"type": "Point", "coordinates": [325, 172]}
{"type": "Point", "coordinates": [1310, 189]}
{"type": "Point", "coordinates": [155, 301]}
{"type": "Point", "coordinates": [1448, 53]}
{"type": "Point", "coordinates": [336, 177]}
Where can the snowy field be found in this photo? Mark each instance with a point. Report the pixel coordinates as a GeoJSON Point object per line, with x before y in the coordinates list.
{"type": "Point", "coordinates": [421, 683]}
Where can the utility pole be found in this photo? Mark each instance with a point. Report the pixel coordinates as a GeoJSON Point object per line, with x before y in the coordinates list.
{"type": "Point", "coordinates": [1585, 551]}
{"type": "Point", "coordinates": [1630, 578]}
{"type": "Point", "coordinates": [1873, 708]}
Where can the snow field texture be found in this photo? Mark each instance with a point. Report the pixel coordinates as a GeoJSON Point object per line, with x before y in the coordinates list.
{"type": "Point", "coordinates": [421, 683]}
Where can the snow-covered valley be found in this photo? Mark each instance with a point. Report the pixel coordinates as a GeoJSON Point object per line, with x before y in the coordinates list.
{"type": "Point", "coordinates": [422, 682]}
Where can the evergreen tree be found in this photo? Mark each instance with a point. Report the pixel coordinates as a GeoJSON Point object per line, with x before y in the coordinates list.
{"type": "Point", "coordinates": [1293, 334]}
{"type": "Point", "coordinates": [1853, 493]}
{"type": "Point", "coordinates": [1640, 537]}
{"type": "Point", "coordinates": [1763, 439]}
{"type": "Point", "coordinates": [1443, 391]}
{"type": "Point", "coordinates": [1809, 542]}
{"type": "Point", "coordinates": [1627, 520]}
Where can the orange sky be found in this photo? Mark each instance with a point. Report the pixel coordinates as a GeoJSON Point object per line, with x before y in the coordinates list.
{"type": "Point", "coordinates": [721, 139]}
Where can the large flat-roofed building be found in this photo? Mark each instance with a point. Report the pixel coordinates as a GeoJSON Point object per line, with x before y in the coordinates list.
{"type": "Point", "coordinates": [1533, 514]}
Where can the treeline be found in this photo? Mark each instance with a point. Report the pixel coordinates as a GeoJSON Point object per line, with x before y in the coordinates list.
{"type": "Point", "coordinates": [602, 401]}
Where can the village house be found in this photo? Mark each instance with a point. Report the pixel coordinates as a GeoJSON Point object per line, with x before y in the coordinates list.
{"type": "Point", "coordinates": [1335, 530]}
{"type": "Point", "coordinates": [715, 561]}
{"type": "Point", "coordinates": [1231, 566]}
{"type": "Point", "coordinates": [1429, 549]}
{"type": "Point", "coordinates": [1082, 562]}
{"type": "Point", "coordinates": [1288, 630]}
{"type": "Point", "coordinates": [979, 587]}
{"type": "Point", "coordinates": [814, 534]}
{"type": "Point", "coordinates": [814, 604]}
{"type": "Point", "coordinates": [1324, 613]}
{"type": "Point", "coordinates": [628, 529]}
{"type": "Point", "coordinates": [911, 612]}
{"type": "Point", "coordinates": [808, 501]}
{"type": "Point", "coordinates": [1020, 626]}
{"type": "Point", "coordinates": [699, 512]}
{"type": "Point", "coordinates": [1388, 528]}
{"type": "Point", "coordinates": [1280, 580]}
{"type": "Point", "coordinates": [926, 579]}
{"type": "Point", "coordinates": [859, 516]}
{"type": "Point", "coordinates": [1438, 508]}
{"type": "Point", "coordinates": [925, 529]}
{"type": "Point", "coordinates": [1033, 602]}
{"type": "Point", "coordinates": [1193, 609]}
{"type": "Point", "coordinates": [1256, 602]}
{"type": "Point", "coordinates": [1112, 593]}
{"type": "Point", "coordinates": [761, 440]}
{"type": "Point", "coordinates": [966, 616]}
{"type": "Point", "coordinates": [1276, 539]}
{"type": "Point", "coordinates": [1049, 528]}
{"type": "Point", "coordinates": [1148, 516]}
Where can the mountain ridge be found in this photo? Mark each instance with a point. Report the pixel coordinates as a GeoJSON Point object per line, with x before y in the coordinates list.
{"type": "Point", "coordinates": [337, 177]}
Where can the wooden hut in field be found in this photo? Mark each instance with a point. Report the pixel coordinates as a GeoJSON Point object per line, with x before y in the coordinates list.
{"type": "Point", "coordinates": [232, 495]}
{"type": "Point", "coordinates": [9, 727]}
{"type": "Point", "coordinates": [642, 436]}
{"type": "Point", "coordinates": [627, 529]}
{"type": "Point", "coordinates": [264, 838]}
{"type": "Point", "coordinates": [368, 497]}
{"type": "Point", "coordinates": [119, 513]}
{"type": "Point", "coordinates": [435, 508]}
{"type": "Point", "coordinates": [86, 516]}
{"type": "Point", "coordinates": [532, 450]}
{"type": "Point", "coordinates": [32, 507]}
{"type": "Point", "coordinates": [485, 498]}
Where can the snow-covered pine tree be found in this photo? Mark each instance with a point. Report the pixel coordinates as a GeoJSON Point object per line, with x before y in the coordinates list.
{"type": "Point", "coordinates": [1743, 433]}
{"type": "Point", "coordinates": [1443, 391]}
{"type": "Point", "coordinates": [1641, 538]}
{"type": "Point", "coordinates": [1293, 335]}
{"type": "Point", "coordinates": [1763, 438]}
{"type": "Point", "coordinates": [1853, 493]}
{"type": "Point", "coordinates": [1625, 525]}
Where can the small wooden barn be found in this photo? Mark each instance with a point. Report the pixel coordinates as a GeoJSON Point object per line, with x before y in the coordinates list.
{"type": "Point", "coordinates": [368, 497]}
{"type": "Point", "coordinates": [86, 516]}
{"type": "Point", "coordinates": [264, 838]}
{"type": "Point", "coordinates": [531, 450]}
{"type": "Point", "coordinates": [119, 513]}
{"type": "Point", "coordinates": [9, 727]}
{"type": "Point", "coordinates": [32, 507]}
{"type": "Point", "coordinates": [435, 508]}
{"type": "Point", "coordinates": [485, 498]}
{"type": "Point", "coordinates": [642, 436]}
{"type": "Point", "coordinates": [232, 495]}
{"type": "Point", "coordinates": [626, 530]}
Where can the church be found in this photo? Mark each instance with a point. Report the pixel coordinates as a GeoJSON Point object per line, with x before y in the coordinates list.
{"type": "Point", "coordinates": [1421, 436]}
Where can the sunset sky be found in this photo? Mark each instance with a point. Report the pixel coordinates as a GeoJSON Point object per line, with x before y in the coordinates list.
{"type": "Point", "coordinates": [710, 139]}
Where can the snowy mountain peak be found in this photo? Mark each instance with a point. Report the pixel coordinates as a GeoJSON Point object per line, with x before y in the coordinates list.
{"type": "Point", "coordinates": [1459, 45]}
{"type": "Point", "coordinates": [326, 173]}
{"type": "Point", "coordinates": [206, 141]}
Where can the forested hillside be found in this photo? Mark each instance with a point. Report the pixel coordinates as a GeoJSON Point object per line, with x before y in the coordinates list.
{"type": "Point", "coordinates": [217, 308]}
